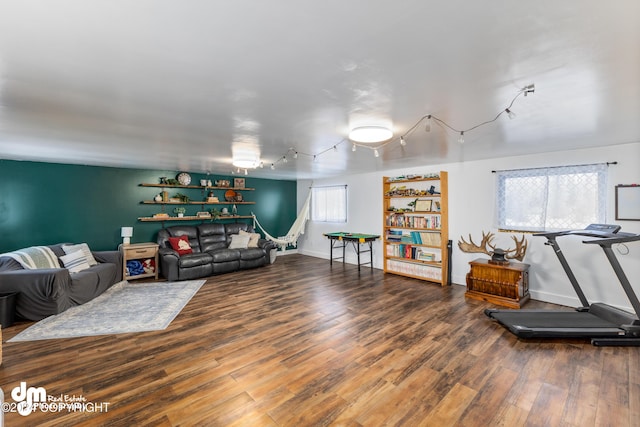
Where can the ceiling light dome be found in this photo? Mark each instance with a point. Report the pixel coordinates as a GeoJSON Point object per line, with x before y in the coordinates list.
{"type": "Point", "coordinates": [370, 134]}
{"type": "Point", "coordinates": [246, 163]}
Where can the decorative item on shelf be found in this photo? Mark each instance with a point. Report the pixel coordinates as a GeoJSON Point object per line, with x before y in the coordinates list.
{"type": "Point", "coordinates": [230, 196]}
{"type": "Point", "coordinates": [234, 210]}
{"type": "Point", "coordinates": [238, 182]}
{"type": "Point", "coordinates": [215, 213]}
{"type": "Point", "coordinates": [223, 183]}
{"type": "Point", "coordinates": [180, 211]}
{"type": "Point", "coordinates": [498, 256]}
{"type": "Point", "coordinates": [182, 198]}
{"type": "Point", "coordinates": [184, 178]}
{"type": "Point", "coordinates": [163, 180]}
{"type": "Point", "coordinates": [238, 197]}
{"type": "Point", "coordinates": [165, 196]}
{"type": "Point", "coordinates": [203, 214]}
{"type": "Point", "coordinates": [203, 183]}
{"type": "Point", "coordinates": [158, 197]}
{"type": "Point", "coordinates": [161, 215]}
{"type": "Point", "coordinates": [225, 211]}
{"type": "Point", "coordinates": [126, 233]}
{"type": "Point", "coordinates": [172, 181]}
{"type": "Point", "coordinates": [209, 183]}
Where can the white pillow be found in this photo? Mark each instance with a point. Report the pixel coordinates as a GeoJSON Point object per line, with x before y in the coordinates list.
{"type": "Point", "coordinates": [85, 250]}
{"type": "Point", "coordinates": [253, 238]}
{"type": "Point", "coordinates": [75, 262]}
{"type": "Point", "coordinates": [239, 241]}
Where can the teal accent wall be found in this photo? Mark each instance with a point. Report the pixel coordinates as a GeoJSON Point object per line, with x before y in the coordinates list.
{"type": "Point", "coordinates": [47, 203]}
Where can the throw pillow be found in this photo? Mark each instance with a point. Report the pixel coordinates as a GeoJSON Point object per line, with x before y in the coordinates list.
{"type": "Point", "coordinates": [85, 250]}
{"type": "Point", "coordinates": [75, 261]}
{"type": "Point", "coordinates": [181, 245]}
{"type": "Point", "coordinates": [253, 238]}
{"type": "Point", "coordinates": [239, 241]}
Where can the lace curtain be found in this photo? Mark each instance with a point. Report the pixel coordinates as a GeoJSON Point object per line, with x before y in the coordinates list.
{"type": "Point", "coordinates": [555, 198]}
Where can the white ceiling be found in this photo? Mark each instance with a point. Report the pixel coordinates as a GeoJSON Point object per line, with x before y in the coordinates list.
{"type": "Point", "coordinates": [176, 84]}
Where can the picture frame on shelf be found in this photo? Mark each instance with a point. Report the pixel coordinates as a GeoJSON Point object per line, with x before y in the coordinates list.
{"type": "Point", "coordinates": [423, 205]}
{"type": "Point", "coordinates": [238, 182]}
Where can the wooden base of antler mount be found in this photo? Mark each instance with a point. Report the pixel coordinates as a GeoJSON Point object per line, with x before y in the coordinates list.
{"type": "Point", "coordinates": [505, 285]}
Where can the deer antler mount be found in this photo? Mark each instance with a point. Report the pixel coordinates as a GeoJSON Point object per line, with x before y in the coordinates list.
{"type": "Point", "coordinates": [487, 246]}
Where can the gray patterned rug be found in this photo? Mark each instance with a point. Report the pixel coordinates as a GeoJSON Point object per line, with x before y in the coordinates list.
{"type": "Point", "coordinates": [123, 308]}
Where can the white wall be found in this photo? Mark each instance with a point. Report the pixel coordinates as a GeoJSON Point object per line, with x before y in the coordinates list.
{"type": "Point", "coordinates": [471, 210]}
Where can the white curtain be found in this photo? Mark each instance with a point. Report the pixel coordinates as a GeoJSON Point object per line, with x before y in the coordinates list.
{"type": "Point", "coordinates": [329, 204]}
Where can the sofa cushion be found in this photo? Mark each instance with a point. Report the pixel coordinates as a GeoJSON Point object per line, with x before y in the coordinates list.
{"type": "Point", "coordinates": [180, 230]}
{"type": "Point", "coordinates": [225, 255]}
{"type": "Point", "coordinates": [195, 260]}
{"type": "Point", "coordinates": [239, 241]}
{"type": "Point", "coordinates": [251, 253]}
{"type": "Point", "coordinates": [212, 237]}
{"type": "Point", "coordinates": [181, 245]}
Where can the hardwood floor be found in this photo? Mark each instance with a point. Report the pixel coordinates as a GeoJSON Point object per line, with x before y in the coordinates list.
{"type": "Point", "coordinates": [299, 343]}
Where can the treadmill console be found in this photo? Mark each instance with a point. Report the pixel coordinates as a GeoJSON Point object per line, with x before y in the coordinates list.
{"type": "Point", "coordinates": [607, 228]}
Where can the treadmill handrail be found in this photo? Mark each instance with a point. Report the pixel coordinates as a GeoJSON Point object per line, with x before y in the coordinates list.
{"type": "Point", "coordinates": [618, 238]}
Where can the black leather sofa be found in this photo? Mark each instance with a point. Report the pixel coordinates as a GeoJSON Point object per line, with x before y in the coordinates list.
{"type": "Point", "coordinates": [45, 292]}
{"type": "Point", "coordinates": [211, 254]}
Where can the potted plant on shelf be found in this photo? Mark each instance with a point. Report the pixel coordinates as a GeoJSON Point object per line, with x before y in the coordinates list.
{"type": "Point", "coordinates": [180, 211]}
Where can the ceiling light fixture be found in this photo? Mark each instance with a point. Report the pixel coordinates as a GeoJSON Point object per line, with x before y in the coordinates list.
{"type": "Point", "coordinates": [376, 153]}
{"type": "Point", "coordinates": [353, 148]}
{"type": "Point", "coordinates": [245, 163]}
{"type": "Point", "coordinates": [370, 134]}
{"type": "Point", "coordinates": [402, 141]}
{"type": "Point", "coordinates": [510, 113]}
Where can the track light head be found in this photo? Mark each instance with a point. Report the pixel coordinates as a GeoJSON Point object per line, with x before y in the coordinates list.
{"type": "Point", "coordinates": [529, 89]}
{"type": "Point", "coordinates": [402, 141]}
{"type": "Point", "coordinates": [510, 113]}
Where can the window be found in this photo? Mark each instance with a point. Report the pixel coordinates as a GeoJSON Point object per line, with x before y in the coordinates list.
{"type": "Point", "coordinates": [555, 198]}
{"type": "Point", "coordinates": [329, 204]}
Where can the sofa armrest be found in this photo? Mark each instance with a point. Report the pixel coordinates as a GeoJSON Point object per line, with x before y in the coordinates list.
{"type": "Point", "coordinates": [48, 282]}
{"type": "Point", "coordinates": [41, 292]}
{"type": "Point", "coordinates": [168, 263]}
{"type": "Point", "coordinates": [111, 257]}
{"type": "Point", "coordinates": [266, 244]}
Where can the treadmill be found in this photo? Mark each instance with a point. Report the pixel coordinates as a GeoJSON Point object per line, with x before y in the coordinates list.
{"type": "Point", "coordinates": [604, 324]}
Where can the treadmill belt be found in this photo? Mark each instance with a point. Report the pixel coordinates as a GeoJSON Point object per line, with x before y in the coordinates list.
{"type": "Point", "coordinates": [556, 324]}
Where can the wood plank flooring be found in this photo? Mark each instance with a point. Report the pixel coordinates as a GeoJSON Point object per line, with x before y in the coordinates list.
{"type": "Point", "coordinates": [299, 343]}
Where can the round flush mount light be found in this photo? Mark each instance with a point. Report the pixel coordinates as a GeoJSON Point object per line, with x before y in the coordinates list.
{"type": "Point", "coordinates": [245, 163]}
{"type": "Point", "coordinates": [370, 134]}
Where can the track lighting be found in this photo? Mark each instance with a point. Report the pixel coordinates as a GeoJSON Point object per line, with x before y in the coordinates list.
{"type": "Point", "coordinates": [382, 136]}
{"type": "Point", "coordinates": [273, 166]}
{"type": "Point", "coordinates": [246, 172]}
{"type": "Point", "coordinates": [529, 89]}
{"type": "Point", "coordinates": [261, 165]}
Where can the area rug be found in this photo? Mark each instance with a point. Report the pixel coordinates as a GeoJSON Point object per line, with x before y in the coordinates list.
{"type": "Point", "coordinates": [123, 308]}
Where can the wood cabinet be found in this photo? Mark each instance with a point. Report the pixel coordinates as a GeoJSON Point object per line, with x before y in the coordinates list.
{"type": "Point", "coordinates": [201, 202]}
{"type": "Point", "coordinates": [140, 252]}
{"type": "Point", "coordinates": [416, 237]}
{"type": "Point", "coordinates": [506, 285]}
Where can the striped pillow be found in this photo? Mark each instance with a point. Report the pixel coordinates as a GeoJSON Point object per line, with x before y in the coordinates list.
{"type": "Point", "coordinates": [75, 261]}
{"type": "Point", "coordinates": [85, 250]}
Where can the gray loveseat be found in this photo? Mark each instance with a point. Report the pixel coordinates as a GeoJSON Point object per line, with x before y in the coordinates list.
{"type": "Point", "coordinates": [45, 292]}
{"type": "Point", "coordinates": [211, 253]}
